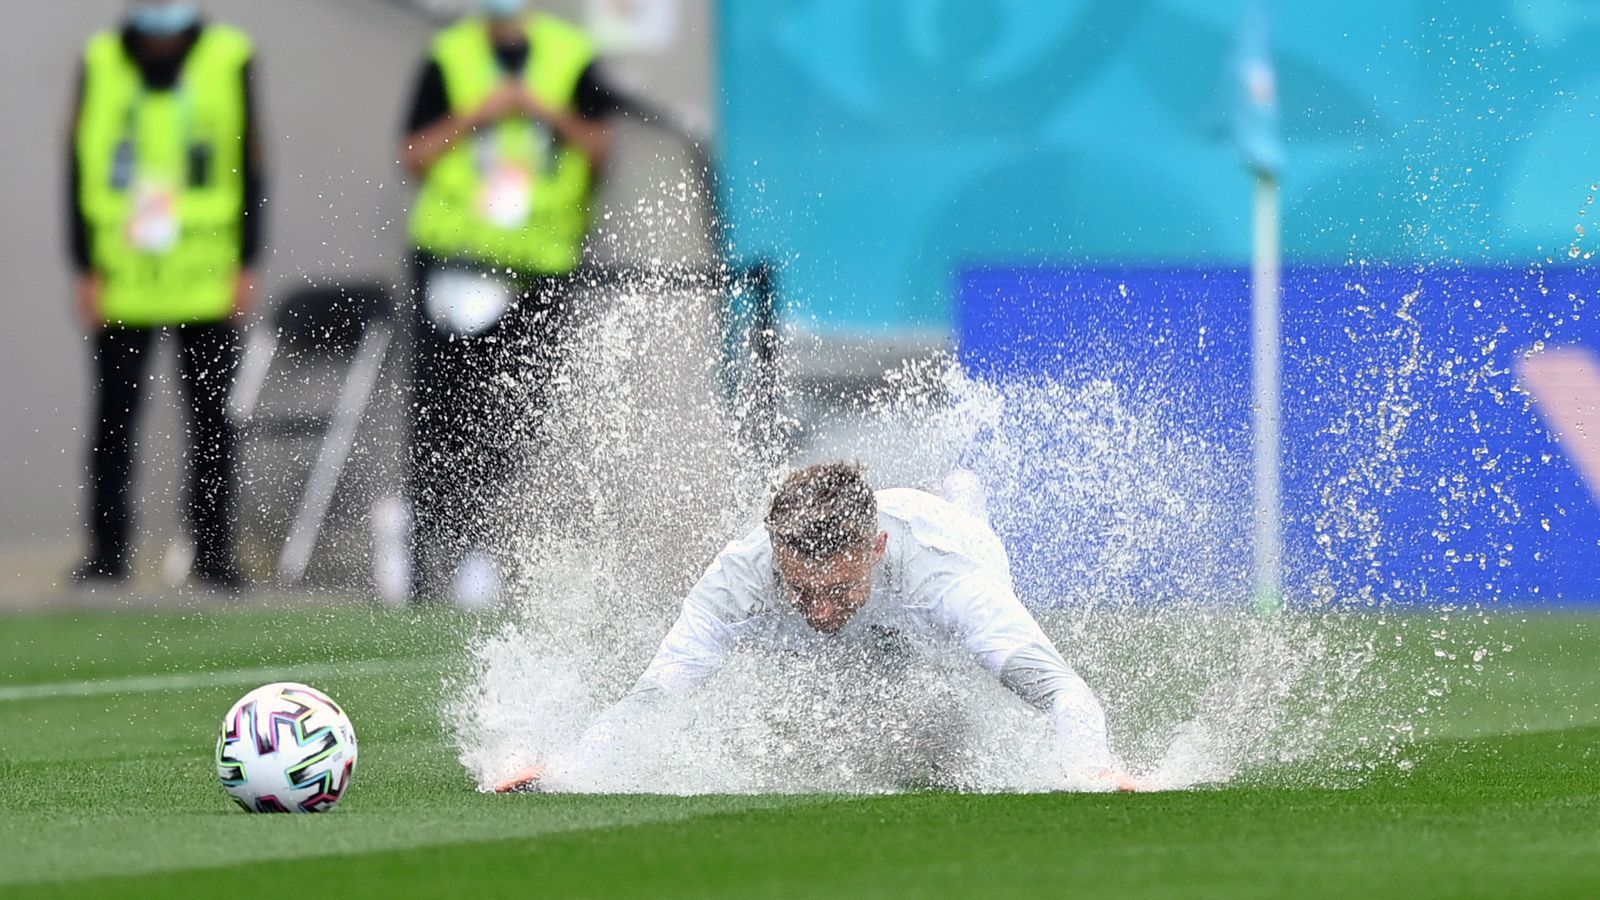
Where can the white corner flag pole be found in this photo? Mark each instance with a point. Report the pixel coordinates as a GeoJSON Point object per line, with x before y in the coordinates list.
{"type": "Point", "coordinates": [1266, 349]}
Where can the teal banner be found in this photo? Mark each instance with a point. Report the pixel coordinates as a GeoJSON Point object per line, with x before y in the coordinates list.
{"type": "Point", "coordinates": [876, 149]}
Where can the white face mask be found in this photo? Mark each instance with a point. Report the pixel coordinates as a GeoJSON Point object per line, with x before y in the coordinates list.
{"type": "Point", "coordinates": [163, 19]}
{"type": "Point", "coordinates": [502, 9]}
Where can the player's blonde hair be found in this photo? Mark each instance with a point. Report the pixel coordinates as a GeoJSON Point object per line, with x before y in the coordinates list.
{"type": "Point", "coordinates": [823, 510]}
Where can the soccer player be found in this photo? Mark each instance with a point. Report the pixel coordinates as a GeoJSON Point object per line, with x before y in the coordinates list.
{"type": "Point", "coordinates": [838, 562]}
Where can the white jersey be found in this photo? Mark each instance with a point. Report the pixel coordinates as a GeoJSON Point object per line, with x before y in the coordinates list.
{"type": "Point", "coordinates": [944, 576]}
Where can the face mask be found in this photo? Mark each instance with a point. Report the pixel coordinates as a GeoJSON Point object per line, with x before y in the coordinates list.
{"type": "Point", "coordinates": [502, 9]}
{"type": "Point", "coordinates": [163, 19]}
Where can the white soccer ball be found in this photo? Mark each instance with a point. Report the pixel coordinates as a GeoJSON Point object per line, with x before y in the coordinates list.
{"type": "Point", "coordinates": [286, 747]}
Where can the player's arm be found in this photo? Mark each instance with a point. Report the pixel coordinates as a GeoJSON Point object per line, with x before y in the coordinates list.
{"type": "Point", "coordinates": [1005, 639]}
{"type": "Point", "coordinates": [1037, 673]}
{"type": "Point", "coordinates": [692, 651]}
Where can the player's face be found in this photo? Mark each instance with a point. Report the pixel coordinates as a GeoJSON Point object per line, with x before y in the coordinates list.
{"type": "Point", "coordinates": [829, 591]}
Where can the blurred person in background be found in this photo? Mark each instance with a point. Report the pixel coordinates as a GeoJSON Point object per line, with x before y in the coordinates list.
{"type": "Point", "coordinates": [165, 188]}
{"type": "Point", "coordinates": [506, 134]}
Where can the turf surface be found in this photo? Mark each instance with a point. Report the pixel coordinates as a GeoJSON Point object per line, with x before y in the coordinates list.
{"type": "Point", "coordinates": [106, 789]}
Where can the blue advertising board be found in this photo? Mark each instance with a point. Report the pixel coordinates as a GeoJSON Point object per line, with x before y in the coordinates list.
{"type": "Point", "coordinates": [1417, 421]}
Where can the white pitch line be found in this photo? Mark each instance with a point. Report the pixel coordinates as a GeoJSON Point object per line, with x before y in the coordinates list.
{"type": "Point", "coordinates": [181, 681]}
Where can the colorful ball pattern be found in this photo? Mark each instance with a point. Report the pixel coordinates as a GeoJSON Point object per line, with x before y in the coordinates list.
{"type": "Point", "coordinates": [286, 747]}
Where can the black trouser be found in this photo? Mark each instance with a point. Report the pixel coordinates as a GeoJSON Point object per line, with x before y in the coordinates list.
{"type": "Point", "coordinates": [208, 354]}
{"type": "Point", "coordinates": [476, 405]}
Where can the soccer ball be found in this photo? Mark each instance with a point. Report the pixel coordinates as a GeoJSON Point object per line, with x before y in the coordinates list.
{"type": "Point", "coordinates": [286, 747]}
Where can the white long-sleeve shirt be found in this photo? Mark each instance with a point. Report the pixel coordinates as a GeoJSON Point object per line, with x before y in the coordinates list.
{"type": "Point", "coordinates": [944, 576]}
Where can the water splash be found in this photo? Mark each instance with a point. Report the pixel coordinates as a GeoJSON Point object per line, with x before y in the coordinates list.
{"type": "Point", "coordinates": [1127, 530]}
{"type": "Point", "coordinates": [1128, 534]}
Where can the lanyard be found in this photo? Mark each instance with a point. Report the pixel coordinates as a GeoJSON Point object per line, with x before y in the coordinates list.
{"type": "Point", "coordinates": [125, 162]}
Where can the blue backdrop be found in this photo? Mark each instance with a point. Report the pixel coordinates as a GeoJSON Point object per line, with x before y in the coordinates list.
{"type": "Point", "coordinates": [1408, 449]}
{"type": "Point", "coordinates": [877, 148]}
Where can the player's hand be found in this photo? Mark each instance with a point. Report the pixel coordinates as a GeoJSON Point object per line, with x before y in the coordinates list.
{"type": "Point", "coordinates": [1127, 784]}
{"type": "Point", "coordinates": [1124, 782]}
{"type": "Point", "coordinates": [1111, 780]}
{"type": "Point", "coordinates": [523, 782]}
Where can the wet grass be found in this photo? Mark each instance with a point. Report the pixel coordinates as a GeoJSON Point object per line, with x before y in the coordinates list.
{"type": "Point", "coordinates": [112, 794]}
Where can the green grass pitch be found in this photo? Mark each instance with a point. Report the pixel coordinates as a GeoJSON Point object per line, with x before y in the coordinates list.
{"type": "Point", "coordinates": [109, 793]}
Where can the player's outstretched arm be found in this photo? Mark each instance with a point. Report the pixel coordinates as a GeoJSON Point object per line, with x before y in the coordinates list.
{"type": "Point", "coordinates": [693, 649]}
{"type": "Point", "coordinates": [1005, 639]}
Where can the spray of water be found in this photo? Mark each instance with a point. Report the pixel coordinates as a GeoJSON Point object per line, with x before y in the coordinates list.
{"type": "Point", "coordinates": [1126, 530]}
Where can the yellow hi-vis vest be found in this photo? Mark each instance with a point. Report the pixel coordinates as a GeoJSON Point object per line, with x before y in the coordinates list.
{"type": "Point", "coordinates": [167, 161]}
{"type": "Point", "coordinates": [451, 218]}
